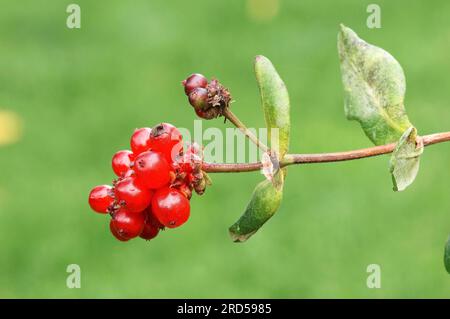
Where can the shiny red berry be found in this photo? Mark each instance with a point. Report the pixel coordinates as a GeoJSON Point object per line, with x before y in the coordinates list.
{"type": "Point", "coordinates": [152, 169]}
{"type": "Point", "coordinates": [115, 232]}
{"type": "Point", "coordinates": [128, 225]}
{"type": "Point", "coordinates": [194, 81]}
{"type": "Point", "coordinates": [100, 198]}
{"type": "Point", "coordinates": [151, 228]}
{"type": "Point", "coordinates": [121, 162]}
{"type": "Point", "coordinates": [166, 139]}
{"type": "Point", "coordinates": [139, 140]}
{"type": "Point", "coordinates": [132, 194]}
{"type": "Point", "coordinates": [170, 207]}
{"type": "Point", "coordinates": [151, 218]}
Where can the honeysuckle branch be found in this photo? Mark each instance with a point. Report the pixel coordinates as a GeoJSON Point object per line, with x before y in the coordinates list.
{"type": "Point", "coordinates": [291, 159]}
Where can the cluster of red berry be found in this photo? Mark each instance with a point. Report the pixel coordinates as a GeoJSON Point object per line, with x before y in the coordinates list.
{"type": "Point", "coordinates": [154, 184]}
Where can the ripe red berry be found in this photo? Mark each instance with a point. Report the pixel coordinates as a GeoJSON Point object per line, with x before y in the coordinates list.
{"type": "Point", "coordinates": [166, 139]}
{"type": "Point", "coordinates": [149, 232]}
{"type": "Point", "coordinates": [151, 218]}
{"type": "Point", "coordinates": [170, 207]}
{"type": "Point", "coordinates": [151, 227]}
{"type": "Point", "coordinates": [121, 162]}
{"type": "Point", "coordinates": [139, 140]}
{"type": "Point", "coordinates": [152, 169]}
{"type": "Point", "coordinates": [128, 225]}
{"type": "Point", "coordinates": [115, 232]}
{"type": "Point", "coordinates": [100, 198]}
{"type": "Point", "coordinates": [132, 194]}
{"type": "Point", "coordinates": [194, 81]}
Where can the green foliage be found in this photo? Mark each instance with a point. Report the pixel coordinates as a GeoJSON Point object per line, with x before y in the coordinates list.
{"type": "Point", "coordinates": [267, 195]}
{"type": "Point", "coordinates": [275, 103]}
{"type": "Point", "coordinates": [447, 256]}
{"type": "Point", "coordinates": [374, 88]}
{"type": "Point", "coordinates": [405, 160]}
{"type": "Point", "coordinates": [80, 99]}
{"type": "Point", "coordinates": [265, 201]}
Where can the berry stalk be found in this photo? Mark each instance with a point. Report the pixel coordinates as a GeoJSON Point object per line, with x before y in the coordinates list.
{"type": "Point", "coordinates": [241, 126]}
{"type": "Point", "coordinates": [292, 159]}
{"type": "Point", "coordinates": [210, 99]}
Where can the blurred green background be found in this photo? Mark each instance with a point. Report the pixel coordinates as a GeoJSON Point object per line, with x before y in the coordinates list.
{"type": "Point", "coordinates": [79, 94]}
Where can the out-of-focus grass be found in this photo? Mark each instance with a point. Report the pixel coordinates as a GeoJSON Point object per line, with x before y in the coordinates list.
{"type": "Point", "coordinates": [81, 93]}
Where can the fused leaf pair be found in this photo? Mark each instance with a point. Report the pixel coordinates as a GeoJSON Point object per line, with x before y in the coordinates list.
{"type": "Point", "coordinates": [374, 91]}
{"type": "Point", "coordinates": [267, 196]}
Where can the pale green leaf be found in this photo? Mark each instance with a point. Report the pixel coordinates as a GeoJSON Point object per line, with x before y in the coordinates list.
{"type": "Point", "coordinates": [405, 159]}
{"type": "Point", "coordinates": [374, 88]}
{"type": "Point", "coordinates": [265, 201]}
{"type": "Point", "coordinates": [275, 102]}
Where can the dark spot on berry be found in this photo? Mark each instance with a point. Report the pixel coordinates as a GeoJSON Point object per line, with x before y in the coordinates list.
{"type": "Point", "coordinates": [141, 163]}
{"type": "Point", "coordinates": [158, 130]}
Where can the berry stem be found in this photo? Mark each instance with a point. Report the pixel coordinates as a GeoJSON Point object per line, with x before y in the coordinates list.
{"type": "Point", "coordinates": [237, 122]}
{"type": "Point", "coordinates": [291, 159]}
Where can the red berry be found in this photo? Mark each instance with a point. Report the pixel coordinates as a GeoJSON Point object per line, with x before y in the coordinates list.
{"type": "Point", "coordinates": [151, 227]}
{"type": "Point", "coordinates": [170, 207]}
{"type": "Point", "coordinates": [128, 225]}
{"type": "Point", "coordinates": [151, 218]}
{"type": "Point", "coordinates": [152, 169]}
{"type": "Point", "coordinates": [166, 139]}
{"type": "Point", "coordinates": [115, 232]}
{"type": "Point", "coordinates": [100, 198]}
{"type": "Point", "coordinates": [132, 194]}
{"type": "Point", "coordinates": [121, 162]}
{"type": "Point", "coordinates": [198, 98]}
{"type": "Point", "coordinates": [194, 81]}
{"type": "Point", "coordinates": [139, 140]}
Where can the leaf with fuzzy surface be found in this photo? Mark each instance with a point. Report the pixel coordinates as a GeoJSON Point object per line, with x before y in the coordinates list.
{"type": "Point", "coordinates": [275, 103]}
{"type": "Point", "coordinates": [374, 88]}
{"type": "Point", "coordinates": [265, 201]}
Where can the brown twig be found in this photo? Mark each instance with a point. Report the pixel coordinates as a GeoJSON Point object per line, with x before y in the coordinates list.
{"type": "Point", "coordinates": [291, 159]}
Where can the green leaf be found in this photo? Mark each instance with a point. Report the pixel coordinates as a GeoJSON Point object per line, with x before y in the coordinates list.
{"type": "Point", "coordinates": [275, 102]}
{"type": "Point", "coordinates": [374, 88]}
{"type": "Point", "coordinates": [264, 203]}
{"type": "Point", "coordinates": [405, 159]}
{"type": "Point", "coordinates": [447, 256]}
{"type": "Point", "coordinates": [267, 195]}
